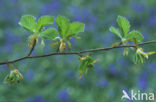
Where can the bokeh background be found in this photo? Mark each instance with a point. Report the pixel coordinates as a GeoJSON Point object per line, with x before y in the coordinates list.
{"type": "Point", "coordinates": [55, 79]}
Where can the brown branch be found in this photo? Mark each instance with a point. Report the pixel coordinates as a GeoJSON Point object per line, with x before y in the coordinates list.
{"type": "Point", "coordinates": [32, 48]}
{"type": "Point", "coordinates": [73, 53]}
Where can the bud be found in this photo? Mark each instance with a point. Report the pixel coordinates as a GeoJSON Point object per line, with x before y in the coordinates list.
{"type": "Point", "coordinates": [125, 52]}
{"type": "Point", "coordinates": [13, 77]}
{"type": "Point", "coordinates": [86, 63]}
{"type": "Point", "coordinates": [31, 40]}
{"type": "Point", "coordinates": [62, 46]}
{"type": "Point", "coordinates": [141, 51]}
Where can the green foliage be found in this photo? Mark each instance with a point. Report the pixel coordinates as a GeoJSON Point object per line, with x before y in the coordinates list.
{"type": "Point", "coordinates": [115, 31]}
{"type": "Point", "coordinates": [63, 25]}
{"type": "Point", "coordinates": [75, 28]}
{"type": "Point", "coordinates": [13, 77]}
{"type": "Point", "coordinates": [67, 30]}
{"type": "Point", "coordinates": [28, 22]}
{"type": "Point", "coordinates": [123, 24]}
{"type": "Point", "coordinates": [44, 21]}
{"type": "Point", "coordinates": [125, 28]}
{"type": "Point", "coordinates": [135, 34]}
{"type": "Point", "coordinates": [86, 63]}
{"type": "Point", "coordinates": [138, 58]}
{"type": "Point", "coordinates": [49, 33]}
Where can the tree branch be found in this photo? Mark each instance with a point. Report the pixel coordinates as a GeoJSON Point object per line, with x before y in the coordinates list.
{"type": "Point", "coordinates": [72, 53]}
{"type": "Point", "coordinates": [33, 46]}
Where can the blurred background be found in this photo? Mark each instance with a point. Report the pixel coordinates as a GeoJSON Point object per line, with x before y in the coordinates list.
{"type": "Point", "coordinates": [55, 79]}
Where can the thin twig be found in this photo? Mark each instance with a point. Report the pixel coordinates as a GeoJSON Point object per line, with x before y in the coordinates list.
{"type": "Point", "coordinates": [73, 53]}
{"type": "Point", "coordinates": [32, 48]}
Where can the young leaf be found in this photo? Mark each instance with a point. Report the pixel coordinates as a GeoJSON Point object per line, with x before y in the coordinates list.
{"type": "Point", "coordinates": [44, 21]}
{"type": "Point", "coordinates": [135, 34]}
{"type": "Point", "coordinates": [49, 33]}
{"type": "Point", "coordinates": [123, 24]}
{"type": "Point", "coordinates": [115, 31]}
{"type": "Point", "coordinates": [69, 45]}
{"type": "Point", "coordinates": [86, 63]}
{"type": "Point", "coordinates": [62, 46]}
{"type": "Point", "coordinates": [42, 45]}
{"type": "Point", "coordinates": [76, 27]}
{"type": "Point", "coordinates": [63, 25]}
{"type": "Point", "coordinates": [28, 23]}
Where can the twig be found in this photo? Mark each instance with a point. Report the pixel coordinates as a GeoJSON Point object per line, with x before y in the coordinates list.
{"type": "Point", "coordinates": [73, 53]}
{"type": "Point", "coordinates": [33, 46]}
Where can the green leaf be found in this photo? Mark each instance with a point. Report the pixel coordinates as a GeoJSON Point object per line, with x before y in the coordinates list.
{"type": "Point", "coordinates": [7, 79]}
{"type": "Point", "coordinates": [63, 25]}
{"type": "Point", "coordinates": [69, 45]}
{"type": "Point", "coordinates": [83, 67]}
{"type": "Point", "coordinates": [115, 31]}
{"type": "Point", "coordinates": [49, 33]}
{"type": "Point", "coordinates": [135, 34]}
{"type": "Point", "coordinates": [76, 27]}
{"type": "Point", "coordinates": [44, 21]}
{"type": "Point", "coordinates": [28, 23]}
{"type": "Point", "coordinates": [42, 45]}
{"type": "Point", "coordinates": [123, 24]}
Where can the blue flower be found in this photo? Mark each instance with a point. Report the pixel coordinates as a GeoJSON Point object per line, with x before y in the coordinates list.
{"type": "Point", "coordinates": [35, 99]}
{"type": "Point", "coordinates": [39, 99]}
{"type": "Point", "coordinates": [108, 38]}
{"type": "Point", "coordinates": [63, 96]}
{"type": "Point", "coordinates": [50, 7]}
{"type": "Point", "coordinates": [99, 70]}
{"type": "Point", "coordinates": [138, 7]}
{"type": "Point", "coordinates": [11, 38]}
{"type": "Point", "coordinates": [102, 83]}
{"type": "Point", "coordinates": [152, 21]}
{"type": "Point", "coordinates": [151, 66]}
{"type": "Point", "coordinates": [112, 69]}
{"type": "Point", "coordinates": [29, 100]}
{"type": "Point", "coordinates": [143, 81]}
{"type": "Point", "coordinates": [123, 62]}
{"type": "Point", "coordinates": [30, 74]}
{"type": "Point", "coordinates": [69, 73]}
{"type": "Point", "coordinates": [7, 47]}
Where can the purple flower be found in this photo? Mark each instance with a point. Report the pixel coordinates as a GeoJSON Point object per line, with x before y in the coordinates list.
{"type": "Point", "coordinates": [112, 69]}
{"type": "Point", "coordinates": [29, 100]}
{"type": "Point", "coordinates": [102, 83]}
{"type": "Point", "coordinates": [10, 37]}
{"type": "Point", "coordinates": [108, 38]}
{"type": "Point", "coordinates": [138, 7]}
{"type": "Point", "coordinates": [35, 99]}
{"type": "Point", "coordinates": [30, 74]}
{"type": "Point", "coordinates": [39, 99]}
{"type": "Point", "coordinates": [151, 66]}
{"type": "Point", "coordinates": [7, 47]}
{"type": "Point", "coordinates": [143, 81]}
{"type": "Point", "coordinates": [123, 62]}
{"type": "Point", "coordinates": [152, 21]}
{"type": "Point", "coordinates": [50, 7]}
{"type": "Point", "coordinates": [69, 73]}
{"type": "Point", "coordinates": [2, 4]}
{"type": "Point", "coordinates": [14, 1]}
{"type": "Point", "coordinates": [146, 35]}
{"type": "Point", "coordinates": [63, 96]}
{"type": "Point", "coordinates": [99, 71]}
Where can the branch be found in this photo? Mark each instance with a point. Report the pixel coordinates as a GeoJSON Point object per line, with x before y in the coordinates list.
{"type": "Point", "coordinates": [32, 48]}
{"type": "Point", "coordinates": [72, 53]}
